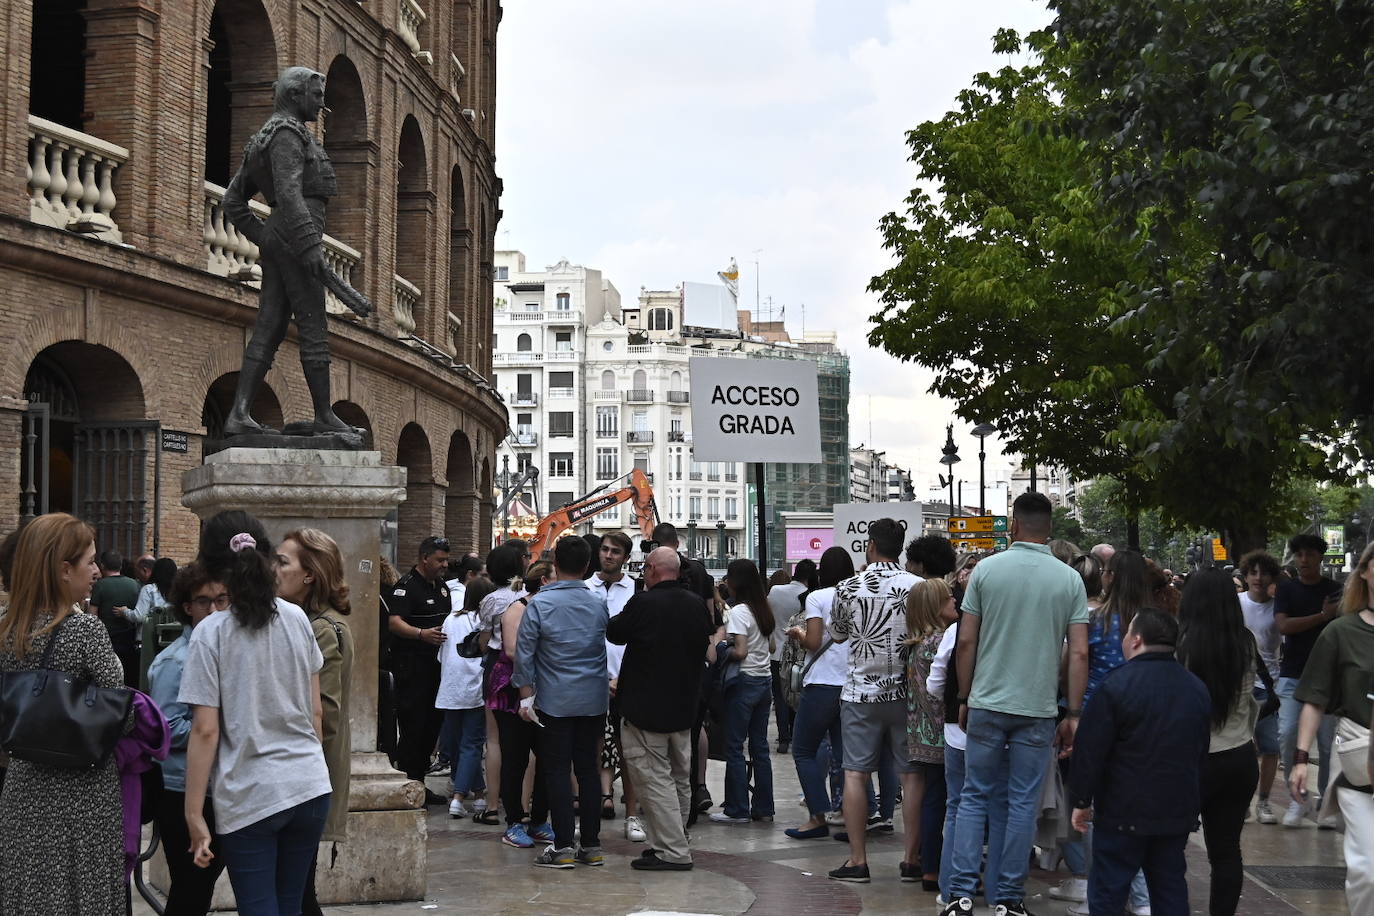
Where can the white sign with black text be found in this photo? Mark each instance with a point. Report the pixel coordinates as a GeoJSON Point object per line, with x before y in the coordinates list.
{"type": "Point", "coordinates": [755, 410]}
{"type": "Point", "coordinates": [852, 520]}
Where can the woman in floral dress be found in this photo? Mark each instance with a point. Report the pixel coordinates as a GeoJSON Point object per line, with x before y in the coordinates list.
{"type": "Point", "coordinates": [929, 609]}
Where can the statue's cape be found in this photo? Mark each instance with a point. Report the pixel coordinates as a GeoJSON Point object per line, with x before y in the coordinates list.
{"type": "Point", "coordinates": [256, 148]}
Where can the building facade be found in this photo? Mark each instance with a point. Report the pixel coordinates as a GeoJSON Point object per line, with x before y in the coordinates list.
{"type": "Point", "coordinates": [129, 294]}
{"type": "Point", "coordinates": [540, 346]}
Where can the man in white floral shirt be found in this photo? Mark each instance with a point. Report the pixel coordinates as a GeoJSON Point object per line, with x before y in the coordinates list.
{"type": "Point", "coordinates": [869, 615]}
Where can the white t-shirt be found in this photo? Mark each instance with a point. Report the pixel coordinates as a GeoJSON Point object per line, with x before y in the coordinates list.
{"type": "Point", "coordinates": [740, 620]}
{"type": "Point", "coordinates": [935, 686]}
{"type": "Point", "coordinates": [785, 600]}
{"type": "Point", "coordinates": [460, 679]}
{"type": "Point", "coordinates": [1259, 620]}
{"type": "Point", "coordinates": [830, 668]}
{"type": "Point", "coordinates": [492, 607]}
{"type": "Point", "coordinates": [616, 597]}
{"type": "Point", "coordinates": [269, 757]}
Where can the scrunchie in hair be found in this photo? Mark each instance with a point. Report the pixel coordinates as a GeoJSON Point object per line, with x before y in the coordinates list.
{"type": "Point", "coordinates": [240, 541]}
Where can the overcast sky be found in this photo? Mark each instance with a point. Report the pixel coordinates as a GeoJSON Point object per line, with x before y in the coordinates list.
{"type": "Point", "coordinates": [655, 140]}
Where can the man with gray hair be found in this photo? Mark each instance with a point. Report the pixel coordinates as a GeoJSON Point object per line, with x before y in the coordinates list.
{"type": "Point", "coordinates": [665, 631]}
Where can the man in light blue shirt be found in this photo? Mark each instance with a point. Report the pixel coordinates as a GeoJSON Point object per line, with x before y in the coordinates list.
{"type": "Point", "coordinates": [1020, 607]}
{"type": "Point", "coordinates": [560, 669]}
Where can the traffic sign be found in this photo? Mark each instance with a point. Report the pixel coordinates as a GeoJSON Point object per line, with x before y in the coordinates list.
{"type": "Point", "coordinates": [1218, 551]}
{"type": "Point", "coordinates": [995, 544]}
{"type": "Point", "coordinates": [977, 524]}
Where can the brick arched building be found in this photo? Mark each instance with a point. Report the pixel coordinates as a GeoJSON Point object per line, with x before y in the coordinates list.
{"type": "Point", "coordinates": [126, 294]}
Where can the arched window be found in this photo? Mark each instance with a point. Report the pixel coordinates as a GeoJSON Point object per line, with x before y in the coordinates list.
{"type": "Point", "coordinates": [660, 320]}
{"type": "Point", "coordinates": [460, 263]}
{"type": "Point", "coordinates": [243, 66]}
{"type": "Point", "coordinates": [608, 380]}
{"type": "Point", "coordinates": [675, 382]}
{"type": "Point", "coordinates": [414, 207]}
{"type": "Point", "coordinates": [523, 343]}
{"type": "Point", "coordinates": [641, 380]}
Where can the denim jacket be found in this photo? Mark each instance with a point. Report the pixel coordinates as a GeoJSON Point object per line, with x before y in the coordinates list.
{"type": "Point", "coordinates": [560, 650]}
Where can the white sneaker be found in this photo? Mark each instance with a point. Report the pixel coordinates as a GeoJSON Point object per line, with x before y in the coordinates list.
{"type": "Point", "coordinates": [634, 829]}
{"type": "Point", "coordinates": [720, 817]}
{"type": "Point", "coordinates": [1079, 908]}
{"type": "Point", "coordinates": [1293, 816]}
{"type": "Point", "coordinates": [1264, 813]}
{"type": "Point", "coordinates": [456, 808]}
{"type": "Point", "coordinates": [1142, 910]}
{"type": "Point", "coordinates": [1074, 889]}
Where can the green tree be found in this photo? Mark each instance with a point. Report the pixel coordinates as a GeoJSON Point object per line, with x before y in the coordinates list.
{"type": "Point", "coordinates": [1010, 284]}
{"type": "Point", "coordinates": [1066, 526]}
{"type": "Point", "coordinates": [1240, 129]}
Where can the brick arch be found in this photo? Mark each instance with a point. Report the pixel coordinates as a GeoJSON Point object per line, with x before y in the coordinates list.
{"type": "Point", "coordinates": [244, 38]}
{"type": "Point", "coordinates": [124, 339]}
{"type": "Point", "coordinates": [420, 514]}
{"type": "Point", "coordinates": [224, 360]}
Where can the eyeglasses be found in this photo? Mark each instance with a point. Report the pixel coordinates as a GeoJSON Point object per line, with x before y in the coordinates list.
{"type": "Point", "coordinates": [204, 602]}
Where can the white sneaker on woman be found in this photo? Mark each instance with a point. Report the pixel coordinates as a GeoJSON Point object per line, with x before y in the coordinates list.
{"type": "Point", "coordinates": [1074, 889]}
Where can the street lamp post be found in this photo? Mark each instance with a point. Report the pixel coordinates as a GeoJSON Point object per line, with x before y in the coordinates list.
{"type": "Point", "coordinates": [982, 431]}
{"type": "Point", "coordinates": [505, 483]}
{"type": "Point", "coordinates": [949, 459]}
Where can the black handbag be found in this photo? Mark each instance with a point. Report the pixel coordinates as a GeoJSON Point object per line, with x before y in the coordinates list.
{"type": "Point", "coordinates": [60, 719]}
{"type": "Point", "coordinates": [471, 646]}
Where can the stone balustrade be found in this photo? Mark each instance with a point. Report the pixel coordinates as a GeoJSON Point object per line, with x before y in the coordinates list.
{"type": "Point", "coordinates": [229, 253]}
{"type": "Point", "coordinates": [410, 18]}
{"type": "Point", "coordinates": [456, 73]}
{"type": "Point", "coordinates": [71, 179]}
{"type": "Point", "coordinates": [405, 296]}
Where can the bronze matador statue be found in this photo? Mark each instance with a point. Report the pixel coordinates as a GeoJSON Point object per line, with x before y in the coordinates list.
{"type": "Point", "coordinates": [290, 168]}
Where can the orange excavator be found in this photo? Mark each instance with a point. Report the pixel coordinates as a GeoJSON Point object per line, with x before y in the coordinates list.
{"type": "Point", "coordinates": [638, 491]}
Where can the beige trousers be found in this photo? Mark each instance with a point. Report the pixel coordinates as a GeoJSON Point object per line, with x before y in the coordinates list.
{"type": "Point", "coordinates": [659, 764]}
{"type": "Point", "coordinates": [1357, 809]}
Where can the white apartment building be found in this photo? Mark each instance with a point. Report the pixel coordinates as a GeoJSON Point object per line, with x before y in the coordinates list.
{"type": "Point", "coordinates": [639, 407]}
{"type": "Point", "coordinates": [539, 347]}
{"type": "Point", "coordinates": [867, 475]}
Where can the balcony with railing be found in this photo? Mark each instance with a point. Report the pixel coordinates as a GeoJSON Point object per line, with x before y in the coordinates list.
{"type": "Point", "coordinates": [607, 473]}
{"type": "Point", "coordinates": [607, 432]}
{"type": "Point", "coordinates": [561, 356]}
{"type": "Point", "coordinates": [561, 393]}
{"type": "Point", "coordinates": [524, 440]}
{"type": "Point", "coordinates": [524, 315]}
{"type": "Point", "coordinates": [676, 435]}
{"type": "Point", "coordinates": [405, 296]}
{"type": "Point", "coordinates": [524, 399]}
{"type": "Point", "coordinates": [456, 73]}
{"type": "Point", "coordinates": [731, 477]}
{"type": "Point", "coordinates": [639, 396]}
{"type": "Point", "coordinates": [518, 358]}
{"type": "Point", "coordinates": [694, 475]}
{"type": "Point", "coordinates": [640, 437]}
{"type": "Point", "coordinates": [71, 179]}
{"type": "Point", "coordinates": [410, 18]}
{"type": "Point", "coordinates": [601, 395]}
{"type": "Point", "coordinates": [679, 397]}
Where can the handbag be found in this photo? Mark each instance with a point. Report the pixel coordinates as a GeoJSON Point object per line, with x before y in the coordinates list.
{"type": "Point", "coordinates": [471, 646]}
{"type": "Point", "coordinates": [59, 719]}
{"type": "Point", "coordinates": [1351, 747]}
{"type": "Point", "coordinates": [796, 675]}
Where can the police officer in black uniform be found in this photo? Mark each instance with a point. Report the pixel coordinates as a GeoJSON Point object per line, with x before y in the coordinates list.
{"type": "Point", "coordinates": [416, 606]}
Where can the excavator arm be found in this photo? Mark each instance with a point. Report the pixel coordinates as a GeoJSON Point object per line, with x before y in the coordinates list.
{"type": "Point", "coordinates": [638, 492]}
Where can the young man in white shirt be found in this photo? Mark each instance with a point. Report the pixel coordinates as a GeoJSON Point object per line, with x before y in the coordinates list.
{"type": "Point", "coordinates": [1261, 571]}
{"type": "Point", "coordinates": [617, 588]}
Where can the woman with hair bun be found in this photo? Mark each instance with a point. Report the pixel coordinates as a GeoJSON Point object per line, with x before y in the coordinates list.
{"type": "Point", "coordinates": [310, 573]}
{"type": "Point", "coordinates": [253, 678]}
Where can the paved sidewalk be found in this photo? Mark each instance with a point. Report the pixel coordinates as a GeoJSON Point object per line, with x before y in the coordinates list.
{"type": "Point", "coordinates": [755, 869]}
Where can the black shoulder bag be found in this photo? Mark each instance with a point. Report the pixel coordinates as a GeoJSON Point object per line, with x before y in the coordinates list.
{"type": "Point", "coordinates": [60, 719]}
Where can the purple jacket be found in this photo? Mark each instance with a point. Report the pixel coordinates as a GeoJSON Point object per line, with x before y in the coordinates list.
{"type": "Point", "coordinates": [147, 742]}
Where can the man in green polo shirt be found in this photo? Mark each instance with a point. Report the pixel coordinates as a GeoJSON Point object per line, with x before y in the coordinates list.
{"type": "Point", "coordinates": [1019, 608]}
{"type": "Point", "coordinates": [112, 596]}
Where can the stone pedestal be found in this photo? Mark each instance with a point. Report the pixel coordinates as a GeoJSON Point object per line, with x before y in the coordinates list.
{"type": "Point", "coordinates": [346, 494]}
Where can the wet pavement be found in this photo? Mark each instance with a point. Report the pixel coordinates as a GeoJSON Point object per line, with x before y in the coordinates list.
{"type": "Point", "coordinates": [755, 869]}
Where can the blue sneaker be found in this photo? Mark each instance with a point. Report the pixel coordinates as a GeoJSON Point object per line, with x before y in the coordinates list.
{"type": "Point", "coordinates": [517, 836]}
{"type": "Point", "coordinates": [543, 833]}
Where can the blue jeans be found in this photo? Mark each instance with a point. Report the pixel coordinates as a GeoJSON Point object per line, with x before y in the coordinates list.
{"type": "Point", "coordinates": [1290, 708]}
{"type": "Point", "coordinates": [269, 860]}
{"type": "Point", "coordinates": [1077, 848]}
{"type": "Point", "coordinates": [818, 716]}
{"type": "Point", "coordinates": [746, 717]}
{"type": "Point", "coordinates": [1003, 750]}
{"type": "Point", "coordinates": [467, 738]}
{"type": "Point", "coordinates": [996, 822]}
{"type": "Point", "coordinates": [1117, 857]}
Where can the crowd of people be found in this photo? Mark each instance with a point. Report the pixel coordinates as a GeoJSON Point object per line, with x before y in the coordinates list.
{"type": "Point", "coordinates": [1091, 707]}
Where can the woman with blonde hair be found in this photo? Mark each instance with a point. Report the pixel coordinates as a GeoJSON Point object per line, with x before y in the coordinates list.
{"type": "Point", "coordinates": [61, 830]}
{"type": "Point", "coordinates": [310, 573]}
{"type": "Point", "coordinates": [929, 610]}
{"type": "Point", "coordinates": [1336, 682]}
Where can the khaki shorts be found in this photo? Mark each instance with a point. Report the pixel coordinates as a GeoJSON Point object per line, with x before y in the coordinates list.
{"type": "Point", "coordinates": [867, 728]}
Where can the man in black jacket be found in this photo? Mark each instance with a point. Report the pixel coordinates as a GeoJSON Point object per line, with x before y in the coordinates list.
{"type": "Point", "coordinates": [1137, 764]}
{"type": "Point", "coordinates": [665, 631]}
